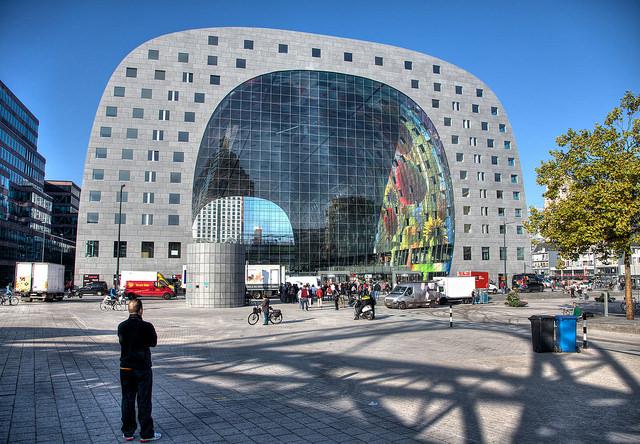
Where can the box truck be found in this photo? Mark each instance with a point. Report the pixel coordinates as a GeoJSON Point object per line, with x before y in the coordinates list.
{"type": "Point", "coordinates": [456, 289]}
{"type": "Point", "coordinates": [147, 276]}
{"type": "Point", "coordinates": [263, 280]}
{"type": "Point", "coordinates": [39, 280]}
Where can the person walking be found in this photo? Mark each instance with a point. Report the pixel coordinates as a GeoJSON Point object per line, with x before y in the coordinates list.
{"type": "Point", "coordinates": [304, 297]}
{"type": "Point", "coordinates": [319, 295]}
{"type": "Point", "coordinates": [265, 310]}
{"type": "Point", "coordinates": [136, 378]}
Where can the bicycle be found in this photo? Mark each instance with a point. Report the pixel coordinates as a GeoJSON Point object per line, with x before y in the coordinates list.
{"type": "Point", "coordinates": [9, 297]}
{"type": "Point", "coordinates": [275, 316]}
{"type": "Point", "coordinates": [636, 306]}
{"type": "Point", "coordinates": [117, 304]}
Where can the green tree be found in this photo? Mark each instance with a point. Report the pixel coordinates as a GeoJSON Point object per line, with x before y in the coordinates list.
{"type": "Point", "coordinates": [593, 190]}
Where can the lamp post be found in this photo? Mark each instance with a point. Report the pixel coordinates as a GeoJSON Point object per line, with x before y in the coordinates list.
{"type": "Point", "coordinates": [117, 279]}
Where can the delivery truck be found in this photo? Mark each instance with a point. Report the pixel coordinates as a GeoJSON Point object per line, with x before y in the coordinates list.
{"type": "Point", "coordinates": [455, 289]}
{"type": "Point", "coordinates": [39, 280]}
{"type": "Point", "coordinates": [145, 276]}
{"type": "Point", "coordinates": [263, 280]}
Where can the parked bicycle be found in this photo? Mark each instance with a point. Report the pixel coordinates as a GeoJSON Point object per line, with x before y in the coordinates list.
{"type": "Point", "coordinates": [275, 315]}
{"type": "Point", "coordinates": [9, 298]}
{"type": "Point", "coordinates": [636, 306]}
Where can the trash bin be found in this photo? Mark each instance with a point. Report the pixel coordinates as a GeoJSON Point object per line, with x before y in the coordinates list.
{"type": "Point", "coordinates": [566, 333]}
{"type": "Point", "coordinates": [484, 298]}
{"type": "Point", "coordinates": [542, 333]}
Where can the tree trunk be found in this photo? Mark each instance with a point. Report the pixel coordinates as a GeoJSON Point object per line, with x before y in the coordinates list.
{"type": "Point", "coordinates": [627, 285]}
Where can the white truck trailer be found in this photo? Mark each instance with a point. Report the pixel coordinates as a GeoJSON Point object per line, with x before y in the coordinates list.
{"type": "Point", "coordinates": [263, 280]}
{"type": "Point", "coordinates": [39, 280]}
{"type": "Point", "coordinates": [455, 289]}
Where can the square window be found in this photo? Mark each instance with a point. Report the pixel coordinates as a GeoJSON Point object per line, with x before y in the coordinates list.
{"type": "Point", "coordinates": [518, 212]}
{"type": "Point", "coordinates": [95, 196]}
{"type": "Point", "coordinates": [198, 97]}
{"type": "Point", "coordinates": [519, 229]}
{"type": "Point", "coordinates": [105, 131]}
{"type": "Point", "coordinates": [283, 49]}
{"type": "Point", "coordinates": [174, 198]}
{"type": "Point", "coordinates": [127, 154]}
{"type": "Point", "coordinates": [348, 57]}
{"type": "Point", "coordinates": [514, 178]}
{"type": "Point", "coordinates": [178, 156]}
{"type": "Point", "coordinates": [499, 194]}
{"type": "Point", "coordinates": [494, 160]}
{"type": "Point", "coordinates": [148, 198]}
{"type": "Point", "coordinates": [414, 84]}
{"type": "Point", "coordinates": [458, 89]}
{"type": "Point", "coordinates": [435, 103]}
{"type": "Point", "coordinates": [183, 57]}
{"type": "Point", "coordinates": [315, 52]}
{"type": "Point", "coordinates": [466, 210]}
{"type": "Point", "coordinates": [485, 253]}
{"type": "Point", "coordinates": [497, 177]}
{"type": "Point", "coordinates": [124, 175]}
{"type": "Point", "coordinates": [212, 60]}
{"type": "Point", "coordinates": [183, 136]}
{"type": "Point", "coordinates": [502, 127]}
{"type": "Point", "coordinates": [463, 175]}
{"type": "Point", "coordinates": [214, 80]}
{"type": "Point", "coordinates": [466, 253]}
{"type": "Point", "coordinates": [213, 40]}
{"type": "Point", "coordinates": [408, 65]}
{"type": "Point", "coordinates": [516, 195]}
{"type": "Point", "coordinates": [101, 153]}
{"type": "Point", "coordinates": [459, 157]}
{"type": "Point", "coordinates": [132, 72]}
{"type": "Point", "coordinates": [157, 135]}
{"type": "Point", "coordinates": [189, 116]}
{"type": "Point", "coordinates": [146, 93]}
{"type": "Point", "coordinates": [175, 177]}
{"type": "Point", "coordinates": [173, 219]}
{"type": "Point", "coordinates": [120, 219]}
{"type": "Point", "coordinates": [137, 113]}
{"type": "Point", "coordinates": [507, 144]}
{"type": "Point", "coordinates": [92, 248]}
{"type": "Point", "coordinates": [437, 87]}
{"type": "Point", "coordinates": [454, 140]}
{"type": "Point", "coordinates": [467, 228]}
{"type": "Point", "coordinates": [503, 250]}
{"type": "Point", "coordinates": [520, 253]}
{"type": "Point", "coordinates": [479, 92]}
{"type": "Point", "coordinates": [146, 250]}
{"type": "Point", "coordinates": [132, 133]}
{"type": "Point", "coordinates": [122, 251]}
{"type": "Point", "coordinates": [494, 110]}
{"type": "Point", "coordinates": [173, 96]}
{"type": "Point", "coordinates": [118, 91]}
{"type": "Point", "coordinates": [248, 44]}
{"type": "Point", "coordinates": [124, 195]}
{"type": "Point", "coordinates": [511, 161]}
{"type": "Point", "coordinates": [378, 61]}
{"type": "Point", "coordinates": [501, 212]}
{"type": "Point", "coordinates": [153, 155]}
{"type": "Point", "coordinates": [484, 126]}
{"type": "Point", "coordinates": [241, 63]}
{"type": "Point", "coordinates": [164, 114]}
{"type": "Point", "coordinates": [159, 74]}
{"type": "Point", "coordinates": [153, 54]}
{"type": "Point", "coordinates": [174, 250]}
{"type": "Point", "coordinates": [465, 192]}
{"type": "Point", "coordinates": [112, 111]}
{"type": "Point", "coordinates": [489, 143]}
{"type": "Point", "coordinates": [147, 219]}
{"type": "Point", "coordinates": [93, 218]}
{"type": "Point", "coordinates": [187, 77]}
{"type": "Point", "coordinates": [447, 121]}
{"type": "Point", "coordinates": [475, 108]}
{"type": "Point", "coordinates": [436, 69]}
{"type": "Point", "coordinates": [149, 176]}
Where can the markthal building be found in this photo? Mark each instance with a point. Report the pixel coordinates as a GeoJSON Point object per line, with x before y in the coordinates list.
{"type": "Point", "coordinates": [324, 155]}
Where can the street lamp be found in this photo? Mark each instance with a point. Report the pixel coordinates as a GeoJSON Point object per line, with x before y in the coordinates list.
{"type": "Point", "coordinates": [117, 279]}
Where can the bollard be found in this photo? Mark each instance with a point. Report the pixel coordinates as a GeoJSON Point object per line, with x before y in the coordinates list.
{"type": "Point", "coordinates": [606, 303]}
{"type": "Point", "coordinates": [584, 330]}
{"type": "Point", "coordinates": [450, 315]}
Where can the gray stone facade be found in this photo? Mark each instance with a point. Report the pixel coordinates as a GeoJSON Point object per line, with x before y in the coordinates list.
{"type": "Point", "coordinates": [154, 71]}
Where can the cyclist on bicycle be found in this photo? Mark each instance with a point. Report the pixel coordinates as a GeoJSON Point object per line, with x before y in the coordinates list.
{"type": "Point", "coordinates": [7, 290]}
{"type": "Point", "coordinates": [113, 293]}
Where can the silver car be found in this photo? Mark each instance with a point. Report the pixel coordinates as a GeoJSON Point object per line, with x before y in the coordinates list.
{"type": "Point", "coordinates": [407, 295]}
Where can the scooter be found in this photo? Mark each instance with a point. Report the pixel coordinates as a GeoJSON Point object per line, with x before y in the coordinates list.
{"type": "Point", "coordinates": [367, 312]}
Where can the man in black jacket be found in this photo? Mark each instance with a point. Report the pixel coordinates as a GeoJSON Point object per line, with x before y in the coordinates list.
{"type": "Point", "coordinates": [136, 378]}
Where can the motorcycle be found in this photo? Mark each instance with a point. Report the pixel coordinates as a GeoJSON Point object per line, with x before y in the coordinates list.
{"type": "Point", "coordinates": [367, 312]}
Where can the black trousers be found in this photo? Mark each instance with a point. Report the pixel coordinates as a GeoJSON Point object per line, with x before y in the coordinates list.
{"type": "Point", "coordinates": [137, 384]}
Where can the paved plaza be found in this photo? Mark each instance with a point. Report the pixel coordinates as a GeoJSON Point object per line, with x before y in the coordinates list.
{"type": "Point", "coordinates": [318, 377]}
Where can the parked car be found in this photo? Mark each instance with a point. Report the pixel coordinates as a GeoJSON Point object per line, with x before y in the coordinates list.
{"type": "Point", "coordinates": [493, 289]}
{"type": "Point", "coordinates": [97, 288]}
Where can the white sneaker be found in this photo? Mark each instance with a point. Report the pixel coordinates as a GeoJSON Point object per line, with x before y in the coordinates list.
{"type": "Point", "coordinates": [156, 436]}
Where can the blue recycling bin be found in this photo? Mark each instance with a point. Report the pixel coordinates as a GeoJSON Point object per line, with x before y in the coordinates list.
{"type": "Point", "coordinates": [566, 333]}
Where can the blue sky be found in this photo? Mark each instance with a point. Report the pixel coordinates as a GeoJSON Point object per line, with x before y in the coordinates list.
{"type": "Point", "coordinates": [553, 64]}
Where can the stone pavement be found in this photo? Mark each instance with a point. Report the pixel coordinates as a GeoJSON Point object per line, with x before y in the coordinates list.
{"type": "Point", "coordinates": [318, 377]}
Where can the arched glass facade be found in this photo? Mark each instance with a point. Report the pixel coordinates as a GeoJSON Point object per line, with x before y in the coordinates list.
{"type": "Point", "coordinates": [355, 166]}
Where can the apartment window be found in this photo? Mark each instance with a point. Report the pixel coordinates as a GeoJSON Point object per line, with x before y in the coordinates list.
{"type": "Point", "coordinates": [153, 156]}
{"type": "Point", "coordinates": [436, 69]}
{"type": "Point", "coordinates": [465, 192]}
{"type": "Point", "coordinates": [153, 54]}
{"type": "Point", "coordinates": [213, 40]}
{"type": "Point", "coordinates": [503, 253]}
{"type": "Point", "coordinates": [183, 136]}
{"type": "Point", "coordinates": [466, 253]}
{"type": "Point", "coordinates": [174, 250]}
{"type": "Point", "coordinates": [173, 219]}
{"type": "Point", "coordinates": [132, 72]}
{"type": "Point", "coordinates": [112, 111]}
{"type": "Point", "coordinates": [520, 253]}
{"type": "Point", "coordinates": [157, 135]}
{"type": "Point", "coordinates": [494, 160]}
{"type": "Point", "coordinates": [477, 158]}
{"type": "Point", "coordinates": [514, 178]}
{"type": "Point", "coordinates": [484, 211]}
{"type": "Point", "coordinates": [132, 133]}
{"type": "Point", "coordinates": [283, 49]}
{"type": "Point", "coordinates": [105, 131]}
{"type": "Point", "coordinates": [149, 176]}
{"type": "Point", "coordinates": [463, 175]}
{"type": "Point", "coordinates": [124, 175]}
{"type": "Point", "coordinates": [435, 103]}
{"type": "Point", "coordinates": [489, 143]}
{"type": "Point", "coordinates": [516, 195]}
{"type": "Point", "coordinates": [315, 52]}
{"type": "Point", "coordinates": [163, 114]}
{"type": "Point", "coordinates": [212, 60]}
{"type": "Point", "coordinates": [146, 93]}
{"type": "Point", "coordinates": [92, 248]}
{"type": "Point", "coordinates": [159, 74]}
{"type": "Point", "coordinates": [147, 219]}
{"type": "Point", "coordinates": [480, 176]}
{"type": "Point", "coordinates": [503, 228]}
{"type": "Point", "coordinates": [97, 174]}
{"type": "Point", "coordinates": [501, 212]}
{"type": "Point", "coordinates": [127, 154]}
{"type": "Point", "coordinates": [485, 229]}
{"type": "Point", "coordinates": [379, 61]}
{"type": "Point", "coordinates": [466, 123]}
{"type": "Point", "coordinates": [437, 87]}
{"type": "Point", "coordinates": [178, 156]}
{"type": "Point", "coordinates": [248, 44]}
{"type": "Point", "coordinates": [499, 194]}
{"type": "Point", "coordinates": [95, 196]}
{"type": "Point", "coordinates": [414, 84]}
{"type": "Point", "coordinates": [120, 252]}
{"type": "Point", "coordinates": [118, 91]}
{"type": "Point", "coordinates": [459, 157]}
{"type": "Point", "coordinates": [189, 116]}
{"type": "Point", "coordinates": [183, 57]}
{"type": "Point", "coordinates": [484, 126]}
{"type": "Point", "coordinates": [146, 250]}
{"type": "Point", "coordinates": [458, 89]}
{"type": "Point", "coordinates": [137, 113]}
{"type": "Point", "coordinates": [214, 80]}
{"type": "Point", "coordinates": [187, 77]}
{"type": "Point", "coordinates": [348, 57]}
{"type": "Point", "coordinates": [454, 140]}
{"type": "Point", "coordinates": [479, 92]}
{"type": "Point", "coordinates": [482, 193]}
{"type": "Point", "coordinates": [511, 161]}
{"type": "Point", "coordinates": [174, 198]}
{"type": "Point", "coordinates": [473, 141]}
{"type": "Point", "coordinates": [494, 110]}
{"type": "Point", "coordinates": [467, 228]}
{"type": "Point", "coordinates": [455, 106]}
{"type": "Point", "coordinates": [466, 210]}
{"type": "Point", "coordinates": [502, 127]}
{"type": "Point", "coordinates": [497, 177]}
{"type": "Point", "coordinates": [518, 212]}
{"type": "Point", "coordinates": [507, 144]}
{"type": "Point", "coordinates": [175, 177]}
{"type": "Point", "coordinates": [101, 153]}
{"type": "Point", "coordinates": [519, 229]}
{"type": "Point", "coordinates": [124, 196]}
{"type": "Point", "coordinates": [173, 96]}
{"type": "Point", "coordinates": [93, 218]}
{"type": "Point", "coordinates": [485, 253]}
{"type": "Point", "coordinates": [241, 63]}
{"type": "Point", "coordinates": [447, 121]}
{"type": "Point", "coordinates": [198, 97]}
{"type": "Point", "coordinates": [148, 198]}
{"type": "Point", "coordinates": [475, 108]}
{"type": "Point", "coordinates": [120, 218]}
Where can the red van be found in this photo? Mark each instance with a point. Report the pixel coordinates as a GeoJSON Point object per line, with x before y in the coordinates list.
{"type": "Point", "coordinates": [148, 289]}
